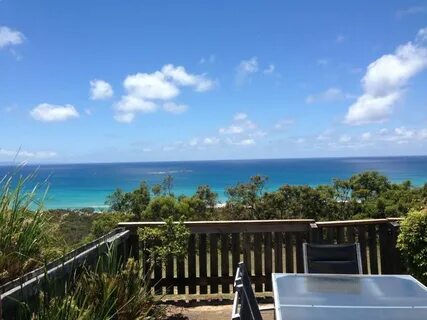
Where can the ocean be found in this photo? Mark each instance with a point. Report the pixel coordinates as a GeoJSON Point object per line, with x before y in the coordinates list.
{"type": "Point", "coordinates": [87, 185]}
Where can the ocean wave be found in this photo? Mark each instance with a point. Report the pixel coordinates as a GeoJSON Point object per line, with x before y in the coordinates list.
{"type": "Point", "coordinates": [169, 172]}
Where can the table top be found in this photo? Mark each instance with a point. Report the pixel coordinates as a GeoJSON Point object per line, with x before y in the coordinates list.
{"type": "Point", "coordinates": [325, 296]}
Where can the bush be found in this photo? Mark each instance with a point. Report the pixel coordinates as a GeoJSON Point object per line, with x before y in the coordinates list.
{"type": "Point", "coordinates": [412, 243]}
{"type": "Point", "coordinates": [22, 227]}
{"type": "Point", "coordinates": [105, 222]}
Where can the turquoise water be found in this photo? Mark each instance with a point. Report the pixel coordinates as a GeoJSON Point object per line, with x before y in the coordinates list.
{"type": "Point", "coordinates": [87, 185]}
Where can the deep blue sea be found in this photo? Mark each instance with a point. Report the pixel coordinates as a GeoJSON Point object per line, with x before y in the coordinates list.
{"type": "Point", "coordinates": [87, 185]}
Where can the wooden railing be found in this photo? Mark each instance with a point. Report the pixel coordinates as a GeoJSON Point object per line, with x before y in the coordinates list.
{"type": "Point", "coordinates": [215, 248]}
{"type": "Point", "coordinates": [57, 273]}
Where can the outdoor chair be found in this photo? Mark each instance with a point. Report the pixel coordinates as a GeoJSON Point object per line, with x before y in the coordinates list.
{"type": "Point", "coordinates": [332, 259]}
{"type": "Point", "coordinates": [245, 306]}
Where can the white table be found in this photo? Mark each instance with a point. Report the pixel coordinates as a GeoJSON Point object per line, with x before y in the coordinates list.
{"type": "Point", "coordinates": [348, 297]}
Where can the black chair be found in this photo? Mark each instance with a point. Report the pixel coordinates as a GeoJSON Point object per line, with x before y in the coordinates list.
{"type": "Point", "coordinates": [245, 306]}
{"type": "Point", "coordinates": [336, 258]}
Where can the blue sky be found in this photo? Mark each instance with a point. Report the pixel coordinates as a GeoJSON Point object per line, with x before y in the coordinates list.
{"type": "Point", "coordinates": [90, 81]}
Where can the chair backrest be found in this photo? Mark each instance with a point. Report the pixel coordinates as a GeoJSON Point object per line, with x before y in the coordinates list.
{"type": "Point", "coordinates": [336, 258]}
{"type": "Point", "coordinates": [245, 306]}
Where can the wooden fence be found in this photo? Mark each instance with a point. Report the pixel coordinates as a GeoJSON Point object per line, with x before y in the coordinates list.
{"type": "Point", "coordinates": [215, 248]}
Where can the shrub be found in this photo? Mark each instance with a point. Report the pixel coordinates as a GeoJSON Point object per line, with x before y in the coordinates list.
{"type": "Point", "coordinates": [22, 227]}
{"type": "Point", "coordinates": [105, 222]}
{"type": "Point", "coordinates": [412, 243]}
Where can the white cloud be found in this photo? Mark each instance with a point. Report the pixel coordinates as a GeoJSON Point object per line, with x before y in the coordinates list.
{"type": "Point", "coordinates": [143, 89]}
{"type": "Point", "coordinates": [300, 140]}
{"type": "Point", "coordinates": [10, 37]}
{"type": "Point", "coordinates": [124, 117]}
{"type": "Point", "coordinates": [211, 140]}
{"type": "Point", "coordinates": [240, 125]}
{"type": "Point", "coordinates": [240, 116]}
{"type": "Point", "coordinates": [366, 136]}
{"type": "Point", "coordinates": [133, 104]}
{"type": "Point", "coordinates": [174, 108]}
{"type": "Point", "coordinates": [271, 68]}
{"type": "Point", "coordinates": [50, 113]}
{"type": "Point", "coordinates": [329, 95]}
{"type": "Point", "coordinates": [27, 154]}
{"type": "Point", "coordinates": [344, 139]}
{"type": "Point", "coordinates": [150, 86]}
{"type": "Point", "coordinates": [100, 90]}
{"type": "Point", "coordinates": [385, 81]}
{"type": "Point", "coordinates": [182, 78]}
{"type": "Point", "coordinates": [245, 69]}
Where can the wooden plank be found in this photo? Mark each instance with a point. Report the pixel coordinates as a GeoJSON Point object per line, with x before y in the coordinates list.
{"type": "Point", "coordinates": [203, 264]}
{"type": "Point", "coordinates": [169, 274]}
{"type": "Point", "coordinates": [330, 235]}
{"type": "Point", "coordinates": [268, 257]}
{"type": "Point", "coordinates": [235, 248]}
{"type": "Point", "coordinates": [258, 258]}
{"type": "Point", "coordinates": [372, 243]}
{"type": "Point", "coordinates": [362, 241]}
{"type": "Point", "coordinates": [247, 252]}
{"type": "Point", "coordinates": [192, 262]}
{"type": "Point", "coordinates": [289, 253]}
{"type": "Point", "coordinates": [243, 226]}
{"type": "Point", "coordinates": [386, 260]}
{"type": "Point", "coordinates": [180, 266]}
{"type": "Point", "coordinates": [213, 241]}
{"type": "Point", "coordinates": [340, 234]}
{"type": "Point", "coordinates": [158, 268]}
{"type": "Point", "coordinates": [299, 255]}
{"type": "Point", "coordinates": [225, 263]}
{"type": "Point", "coordinates": [278, 252]}
{"type": "Point", "coordinates": [350, 234]}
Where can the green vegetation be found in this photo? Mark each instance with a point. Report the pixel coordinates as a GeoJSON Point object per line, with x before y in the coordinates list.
{"type": "Point", "coordinates": [111, 290]}
{"type": "Point", "coordinates": [412, 243]}
{"type": "Point", "coordinates": [22, 228]}
{"type": "Point", "coordinates": [364, 195]}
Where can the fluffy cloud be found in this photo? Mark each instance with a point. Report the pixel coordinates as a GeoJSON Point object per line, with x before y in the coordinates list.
{"type": "Point", "coordinates": [174, 108]}
{"type": "Point", "coordinates": [51, 113]}
{"type": "Point", "coordinates": [100, 90]}
{"type": "Point", "coordinates": [9, 37]}
{"type": "Point", "coordinates": [27, 154]}
{"type": "Point", "coordinates": [385, 81]}
{"type": "Point", "coordinates": [144, 89]}
{"type": "Point", "coordinates": [329, 95]}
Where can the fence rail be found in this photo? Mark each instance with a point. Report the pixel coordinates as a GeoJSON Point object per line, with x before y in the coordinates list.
{"type": "Point", "coordinates": [216, 247]}
{"type": "Point", "coordinates": [26, 288]}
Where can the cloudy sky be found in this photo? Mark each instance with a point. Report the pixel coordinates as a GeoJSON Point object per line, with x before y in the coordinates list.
{"type": "Point", "coordinates": [187, 80]}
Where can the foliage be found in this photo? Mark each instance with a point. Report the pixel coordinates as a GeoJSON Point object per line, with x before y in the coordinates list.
{"type": "Point", "coordinates": [105, 222]}
{"type": "Point", "coordinates": [169, 239]}
{"type": "Point", "coordinates": [412, 242]}
{"type": "Point", "coordinates": [22, 227]}
{"type": "Point", "coordinates": [110, 291]}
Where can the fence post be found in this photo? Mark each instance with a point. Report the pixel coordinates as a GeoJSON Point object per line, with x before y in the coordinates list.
{"type": "Point", "coordinates": [133, 243]}
{"type": "Point", "coordinates": [397, 263]}
{"type": "Point", "coordinates": [314, 233]}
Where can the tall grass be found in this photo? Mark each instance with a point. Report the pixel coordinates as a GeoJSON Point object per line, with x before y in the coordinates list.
{"type": "Point", "coordinates": [110, 290]}
{"type": "Point", "coordinates": [22, 226]}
